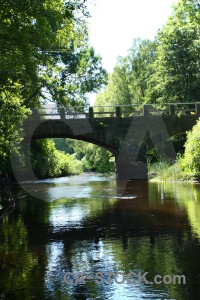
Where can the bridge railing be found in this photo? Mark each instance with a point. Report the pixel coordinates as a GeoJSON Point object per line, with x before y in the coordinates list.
{"type": "Point", "coordinates": [61, 112]}
{"type": "Point", "coordinates": [102, 111]}
{"type": "Point", "coordinates": [186, 108]}
{"type": "Point", "coordinates": [119, 111]}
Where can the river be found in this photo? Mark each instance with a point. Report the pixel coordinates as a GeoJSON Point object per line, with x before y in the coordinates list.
{"type": "Point", "coordinates": [71, 228]}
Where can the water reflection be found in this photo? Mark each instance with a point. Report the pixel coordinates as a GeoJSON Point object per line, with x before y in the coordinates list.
{"type": "Point", "coordinates": [187, 197]}
{"type": "Point", "coordinates": [93, 224]}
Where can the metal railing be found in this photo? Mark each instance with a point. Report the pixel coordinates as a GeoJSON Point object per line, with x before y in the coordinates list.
{"type": "Point", "coordinates": [119, 111]}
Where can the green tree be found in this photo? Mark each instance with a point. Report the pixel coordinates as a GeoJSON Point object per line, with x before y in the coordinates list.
{"type": "Point", "coordinates": [98, 159]}
{"type": "Point", "coordinates": [91, 157]}
{"type": "Point", "coordinates": [44, 47]}
{"type": "Point", "coordinates": [65, 145]}
{"type": "Point", "coordinates": [140, 58]}
{"type": "Point", "coordinates": [47, 161]}
{"type": "Point", "coordinates": [127, 84]}
{"type": "Point", "coordinates": [176, 69]}
{"type": "Point", "coordinates": [12, 112]}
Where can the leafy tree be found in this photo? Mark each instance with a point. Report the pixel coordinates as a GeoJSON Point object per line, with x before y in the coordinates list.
{"type": "Point", "coordinates": [140, 57]}
{"type": "Point", "coordinates": [47, 161]}
{"type": "Point", "coordinates": [97, 159]}
{"type": "Point", "coordinates": [12, 112]}
{"type": "Point", "coordinates": [176, 75]}
{"type": "Point", "coordinates": [44, 47]}
{"type": "Point", "coordinates": [128, 83]}
{"type": "Point", "coordinates": [91, 157]}
{"type": "Point", "coordinates": [65, 145]}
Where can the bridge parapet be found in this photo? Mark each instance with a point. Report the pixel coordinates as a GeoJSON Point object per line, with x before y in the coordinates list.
{"type": "Point", "coordinates": [119, 111]}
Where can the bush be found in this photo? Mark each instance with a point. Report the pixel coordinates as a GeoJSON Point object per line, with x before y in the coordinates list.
{"type": "Point", "coordinates": [47, 161]}
{"type": "Point", "coordinates": [186, 167]}
{"type": "Point", "coordinates": [92, 157]}
{"type": "Point", "coordinates": [97, 159]}
{"type": "Point", "coordinates": [191, 159]}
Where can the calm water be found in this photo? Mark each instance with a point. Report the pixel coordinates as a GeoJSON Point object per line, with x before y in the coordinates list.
{"type": "Point", "coordinates": [90, 224]}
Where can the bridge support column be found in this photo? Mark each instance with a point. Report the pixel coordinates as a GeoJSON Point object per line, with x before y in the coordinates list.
{"type": "Point", "coordinates": [197, 108]}
{"type": "Point", "coordinates": [172, 110]}
{"type": "Point", "coordinates": [91, 112]}
{"type": "Point", "coordinates": [118, 111]}
{"type": "Point", "coordinates": [62, 113]}
{"type": "Point", "coordinates": [146, 110]}
{"type": "Point", "coordinates": [126, 170]}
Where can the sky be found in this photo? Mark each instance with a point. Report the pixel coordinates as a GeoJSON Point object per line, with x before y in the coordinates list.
{"type": "Point", "coordinates": [115, 23]}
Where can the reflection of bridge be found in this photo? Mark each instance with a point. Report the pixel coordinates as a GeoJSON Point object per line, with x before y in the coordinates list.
{"type": "Point", "coordinates": [121, 131]}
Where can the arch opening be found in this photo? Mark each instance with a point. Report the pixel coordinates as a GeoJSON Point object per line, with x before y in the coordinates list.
{"type": "Point", "coordinates": [59, 157]}
{"type": "Point", "coordinates": [92, 157]}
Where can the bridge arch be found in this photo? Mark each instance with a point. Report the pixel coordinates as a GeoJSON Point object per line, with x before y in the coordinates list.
{"type": "Point", "coordinates": [83, 132]}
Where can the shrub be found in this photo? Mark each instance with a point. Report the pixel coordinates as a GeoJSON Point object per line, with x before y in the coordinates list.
{"type": "Point", "coordinates": [47, 161]}
{"type": "Point", "coordinates": [191, 159]}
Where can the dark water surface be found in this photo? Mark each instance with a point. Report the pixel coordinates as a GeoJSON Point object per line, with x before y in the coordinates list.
{"type": "Point", "coordinates": [91, 224]}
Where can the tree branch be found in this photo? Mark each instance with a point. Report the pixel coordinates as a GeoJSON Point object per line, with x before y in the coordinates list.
{"type": "Point", "coordinates": [32, 95]}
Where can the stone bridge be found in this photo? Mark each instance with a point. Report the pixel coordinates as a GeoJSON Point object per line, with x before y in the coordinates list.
{"type": "Point", "coordinates": [121, 130]}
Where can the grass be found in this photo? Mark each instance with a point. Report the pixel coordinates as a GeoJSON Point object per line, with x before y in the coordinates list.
{"type": "Point", "coordinates": [168, 171]}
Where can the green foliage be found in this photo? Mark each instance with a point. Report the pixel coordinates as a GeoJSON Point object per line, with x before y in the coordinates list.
{"type": "Point", "coordinates": [68, 156]}
{"type": "Point", "coordinates": [12, 113]}
{"type": "Point", "coordinates": [44, 47]}
{"type": "Point", "coordinates": [191, 159]}
{"type": "Point", "coordinates": [92, 157]}
{"type": "Point", "coordinates": [65, 145]}
{"type": "Point", "coordinates": [151, 155]}
{"type": "Point", "coordinates": [97, 159]}
{"type": "Point", "coordinates": [168, 171]}
{"type": "Point", "coordinates": [49, 162]}
{"type": "Point", "coordinates": [186, 166]}
{"type": "Point", "coordinates": [176, 69]}
{"type": "Point", "coordinates": [128, 82]}
{"type": "Point", "coordinates": [45, 53]}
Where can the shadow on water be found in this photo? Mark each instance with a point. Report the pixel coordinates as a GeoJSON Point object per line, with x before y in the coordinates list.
{"type": "Point", "coordinates": [95, 224]}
